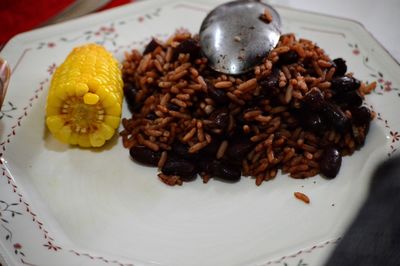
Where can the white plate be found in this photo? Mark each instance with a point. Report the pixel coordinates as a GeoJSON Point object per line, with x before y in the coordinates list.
{"type": "Point", "coordinates": [68, 206]}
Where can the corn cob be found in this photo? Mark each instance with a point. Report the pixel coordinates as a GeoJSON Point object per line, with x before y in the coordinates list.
{"type": "Point", "coordinates": [85, 97]}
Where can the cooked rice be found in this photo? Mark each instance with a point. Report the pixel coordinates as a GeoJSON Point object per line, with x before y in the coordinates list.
{"type": "Point", "coordinates": [177, 91]}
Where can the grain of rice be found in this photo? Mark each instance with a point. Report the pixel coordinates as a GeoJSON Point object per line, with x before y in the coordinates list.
{"type": "Point", "coordinates": [168, 56]}
{"type": "Point", "coordinates": [289, 93]}
{"type": "Point", "coordinates": [154, 133]}
{"type": "Point", "coordinates": [151, 145]}
{"type": "Point", "coordinates": [170, 180]}
{"type": "Point", "coordinates": [198, 146]}
{"type": "Point", "coordinates": [162, 108]}
{"type": "Point", "coordinates": [286, 72]}
{"type": "Point", "coordinates": [324, 85]}
{"type": "Point", "coordinates": [248, 85]}
{"type": "Point", "coordinates": [158, 65]}
{"type": "Point", "coordinates": [330, 73]}
{"type": "Point", "coordinates": [282, 49]}
{"type": "Point", "coordinates": [164, 84]}
{"type": "Point", "coordinates": [369, 88]}
{"type": "Point", "coordinates": [203, 84]}
{"type": "Point", "coordinates": [298, 168]}
{"type": "Point", "coordinates": [324, 64]}
{"type": "Point", "coordinates": [312, 163]}
{"type": "Point", "coordinates": [303, 197]}
{"type": "Point", "coordinates": [179, 102]}
{"type": "Point", "coordinates": [209, 101]}
{"type": "Point", "coordinates": [259, 137]}
{"type": "Point", "coordinates": [183, 96]}
{"type": "Point", "coordinates": [208, 109]}
{"type": "Point", "coordinates": [263, 119]}
{"type": "Point", "coordinates": [144, 63]}
{"type": "Point", "coordinates": [235, 99]}
{"type": "Point", "coordinates": [221, 149]}
{"type": "Point", "coordinates": [302, 85]}
{"type": "Point", "coordinates": [178, 75]}
{"type": "Point", "coordinates": [179, 114]}
{"type": "Point", "coordinates": [223, 84]}
{"type": "Point", "coordinates": [259, 180]}
{"type": "Point", "coordinates": [163, 159]}
{"type": "Point", "coordinates": [262, 166]}
{"type": "Point", "coordinates": [182, 67]}
{"type": "Point", "coordinates": [266, 16]}
{"type": "Point", "coordinates": [297, 95]}
{"type": "Point", "coordinates": [251, 114]}
{"type": "Point", "coordinates": [246, 129]}
{"type": "Point", "coordinates": [317, 69]}
{"type": "Point", "coordinates": [299, 49]}
{"type": "Point", "coordinates": [164, 100]}
{"type": "Point", "coordinates": [159, 113]}
{"type": "Point", "coordinates": [189, 135]}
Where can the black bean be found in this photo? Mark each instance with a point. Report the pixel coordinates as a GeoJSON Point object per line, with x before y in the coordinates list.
{"type": "Point", "coordinates": [130, 92]}
{"type": "Point", "coordinates": [288, 58]}
{"type": "Point", "coordinates": [218, 95]}
{"type": "Point", "coordinates": [351, 98]}
{"type": "Point", "coordinates": [202, 163]}
{"type": "Point", "coordinates": [341, 67]}
{"type": "Point", "coordinates": [239, 119]}
{"type": "Point", "coordinates": [144, 155]}
{"type": "Point", "coordinates": [270, 83]}
{"type": "Point", "coordinates": [330, 162]}
{"type": "Point", "coordinates": [239, 149]}
{"type": "Point", "coordinates": [221, 120]}
{"type": "Point", "coordinates": [211, 149]}
{"type": "Point", "coordinates": [151, 116]}
{"type": "Point", "coordinates": [344, 84]}
{"type": "Point", "coordinates": [314, 99]}
{"type": "Point", "coordinates": [173, 107]}
{"type": "Point", "coordinates": [188, 46]}
{"type": "Point", "coordinates": [361, 116]}
{"type": "Point", "coordinates": [151, 46]}
{"type": "Point", "coordinates": [181, 150]}
{"type": "Point", "coordinates": [312, 121]}
{"type": "Point", "coordinates": [223, 171]}
{"type": "Point", "coordinates": [334, 117]}
{"type": "Point", "coordinates": [185, 169]}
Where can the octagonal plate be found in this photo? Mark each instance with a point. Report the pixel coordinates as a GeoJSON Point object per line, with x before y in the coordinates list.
{"type": "Point", "coordinates": [68, 206]}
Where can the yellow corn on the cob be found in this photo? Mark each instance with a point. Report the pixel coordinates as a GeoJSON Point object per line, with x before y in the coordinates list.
{"type": "Point", "coordinates": [85, 97]}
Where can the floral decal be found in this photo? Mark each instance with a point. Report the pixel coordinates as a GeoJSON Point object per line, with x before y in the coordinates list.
{"type": "Point", "coordinates": [51, 68]}
{"type": "Point", "coordinates": [149, 16]}
{"type": "Point", "coordinates": [101, 35]}
{"type": "Point", "coordinates": [384, 85]}
{"type": "Point", "coordinates": [7, 212]}
{"type": "Point", "coordinates": [7, 110]}
{"type": "Point", "coordinates": [394, 135]}
{"type": "Point", "coordinates": [46, 45]}
{"type": "Point", "coordinates": [300, 263]}
{"type": "Point", "coordinates": [356, 50]}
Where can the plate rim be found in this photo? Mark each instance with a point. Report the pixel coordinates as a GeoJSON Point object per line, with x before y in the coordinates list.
{"type": "Point", "coordinates": [19, 39]}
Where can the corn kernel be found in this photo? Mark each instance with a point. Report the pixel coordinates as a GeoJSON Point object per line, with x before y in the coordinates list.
{"type": "Point", "coordinates": [90, 98]}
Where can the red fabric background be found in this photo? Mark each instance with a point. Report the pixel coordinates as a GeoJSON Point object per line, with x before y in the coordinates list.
{"type": "Point", "coordinates": [23, 15]}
